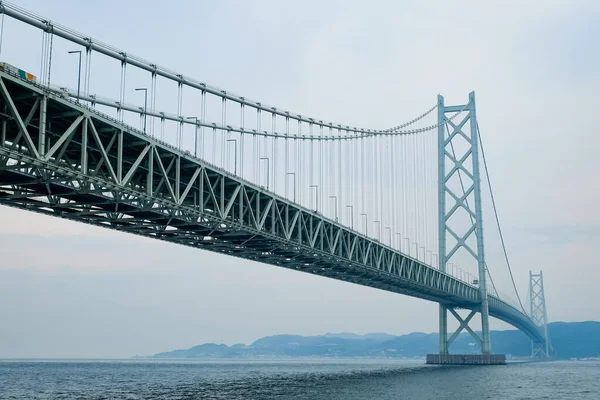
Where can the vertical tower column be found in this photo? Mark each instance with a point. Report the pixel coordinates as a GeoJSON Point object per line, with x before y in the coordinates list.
{"type": "Point", "coordinates": [485, 324]}
{"type": "Point", "coordinates": [538, 314]}
{"type": "Point", "coordinates": [442, 218]}
{"type": "Point", "coordinates": [452, 123]}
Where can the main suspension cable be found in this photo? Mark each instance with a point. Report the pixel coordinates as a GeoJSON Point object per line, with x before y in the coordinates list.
{"type": "Point", "coordinates": [487, 175]}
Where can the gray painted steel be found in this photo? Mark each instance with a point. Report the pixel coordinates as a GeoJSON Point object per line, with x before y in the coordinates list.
{"type": "Point", "coordinates": [470, 183]}
{"type": "Point", "coordinates": [539, 314]}
{"type": "Point", "coordinates": [61, 158]}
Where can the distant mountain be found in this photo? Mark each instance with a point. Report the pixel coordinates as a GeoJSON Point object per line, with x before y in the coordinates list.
{"type": "Point", "coordinates": [570, 340]}
{"type": "Point", "coordinates": [346, 335]}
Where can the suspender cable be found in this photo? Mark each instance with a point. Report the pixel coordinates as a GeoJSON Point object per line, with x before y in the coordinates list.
{"type": "Point", "coordinates": [331, 175]}
{"type": "Point", "coordinates": [223, 133]}
{"type": "Point", "coordinates": [424, 197]}
{"type": "Point", "coordinates": [311, 169]}
{"type": "Point", "coordinates": [373, 182]}
{"type": "Point", "coordinates": [299, 171]}
{"type": "Point", "coordinates": [1, 33]}
{"type": "Point", "coordinates": [274, 152]}
{"type": "Point", "coordinates": [415, 197]}
{"type": "Point", "coordinates": [179, 106]}
{"type": "Point", "coordinates": [50, 55]}
{"type": "Point", "coordinates": [241, 142]}
{"type": "Point", "coordinates": [42, 55]}
{"type": "Point", "coordinates": [321, 186]}
{"type": "Point", "coordinates": [347, 179]}
{"type": "Point", "coordinates": [363, 188]}
{"type": "Point", "coordinates": [214, 147]}
{"type": "Point", "coordinates": [405, 232]}
{"type": "Point", "coordinates": [340, 206]}
{"type": "Point", "coordinates": [203, 118]}
{"type": "Point", "coordinates": [287, 156]}
{"type": "Point", "coordinates": [255, 152]}
{"type": "Point", "coordinates": [356, 188]}
{"type": "Point", "coordinates": [152, 95]}
{"type": "Point", "coordinates": [397, 205]}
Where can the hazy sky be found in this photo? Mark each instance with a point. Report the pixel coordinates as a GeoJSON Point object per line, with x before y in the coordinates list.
{"type": "Point", "coordinates": [71, 290]}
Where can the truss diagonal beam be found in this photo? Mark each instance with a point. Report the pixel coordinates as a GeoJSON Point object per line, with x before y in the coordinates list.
{"type": "Point", "coordinates": [15, 114]}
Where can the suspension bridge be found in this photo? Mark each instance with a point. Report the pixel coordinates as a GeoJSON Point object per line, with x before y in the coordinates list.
{"type": "Point", "coordinates": [398, 209]}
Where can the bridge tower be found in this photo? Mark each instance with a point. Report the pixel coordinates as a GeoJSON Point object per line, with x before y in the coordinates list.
{"type": "Point", "coordinates": [538, 314]}
{"type": "Point", "coordinates": [459, 186]}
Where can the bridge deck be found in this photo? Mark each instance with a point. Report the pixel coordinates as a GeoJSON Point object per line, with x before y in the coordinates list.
{"type": "Point", "coordinates": [65, 159]}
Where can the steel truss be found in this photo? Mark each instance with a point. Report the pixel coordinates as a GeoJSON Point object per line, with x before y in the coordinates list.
{"type": "Point", "coordinates": [64, 159]}
{"type": "Point", "coordinates": [539, 315]}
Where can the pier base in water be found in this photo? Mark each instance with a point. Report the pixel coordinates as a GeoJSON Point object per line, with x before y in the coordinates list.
{"type": "Point", "coordinates": [466, 359]}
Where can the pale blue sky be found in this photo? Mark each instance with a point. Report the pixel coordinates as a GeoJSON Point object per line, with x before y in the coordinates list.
{"type": "Point", "coordinates": [70, 290]}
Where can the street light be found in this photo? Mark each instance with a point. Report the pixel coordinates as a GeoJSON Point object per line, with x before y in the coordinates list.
{"type": "Point", "coordinates": [79, 75]}
{"type": "Point", "coordinates": [162, 125]}
{"type": "Point", "coordinates": [366, 223]}
{"type": "Point", "coordinates": [351, 215]}
{"type": "Point", "coordinates": [293, 173]}
{"type": "Point", "coordinates": [390, 230]}
{"type": "Point", "coordinates": [267, 160]}
{"type": "Point", "coordinates": [195, 135]}
{"type": "Point", "coordinates": [145, 90]}
{"type": "Point", "coordinates": [235, 154]}
{"type": "Point", "coordinates": [335, 203]}
{"type": "Point", "coordinates": [379, 225]}
{"type": "Point", "coordinates": [316, 196]}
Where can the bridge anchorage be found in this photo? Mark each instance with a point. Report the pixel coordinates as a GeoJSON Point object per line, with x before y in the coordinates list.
{"type": "Point", "coordinates": [342, 202]}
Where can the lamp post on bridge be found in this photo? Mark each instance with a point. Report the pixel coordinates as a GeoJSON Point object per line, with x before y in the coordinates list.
{"type": "Point", "coordinates": [145, 90]}
{"type": "Point", "coordinates": [235, 155]}
{"type": "Point", "coordinates": [316, 196]}
{"type": "Point", "coordinates": [79, 73]}
{"type": "Point", "coordinates": [266, 159]}
{"type": "Point", "coordinates": [351, 215]}
{"type": "Point", "coordinates": [195, 135]}
{"type": "Point", "coordinates": [379, 229]}
{"type": "Point", "coordinates": [390, 236]}
{"type": "Point", "coordinates": [366, 223]}
{"type": "Point", "coordinates": [294, 174]}
{"type": "Point", "coordinates": [335, 208]}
